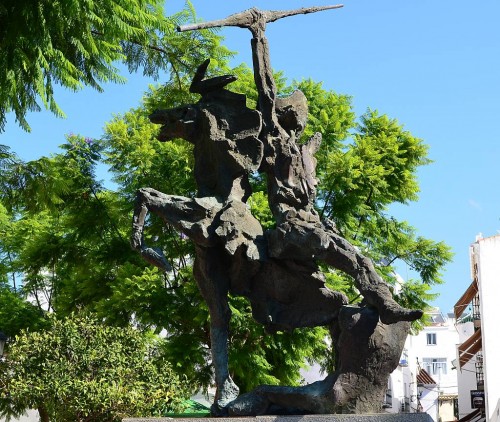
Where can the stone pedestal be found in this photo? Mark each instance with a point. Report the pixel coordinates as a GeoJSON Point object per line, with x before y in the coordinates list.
{"type": "Point", "coordinates": [380, 417]}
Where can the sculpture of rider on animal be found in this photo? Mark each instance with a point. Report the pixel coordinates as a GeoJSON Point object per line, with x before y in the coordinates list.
{"type": "Point", "coordinates": [277, 270]}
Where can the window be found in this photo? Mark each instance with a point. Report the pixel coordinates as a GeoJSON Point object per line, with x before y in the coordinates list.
{"type": "Point", "coordinates": [435, 366]}
{"type": "Point", "coordinates": [388, 395]}
{"type": "Point", "coordinates": [403, 360]}
{"type": "Point", "coordinates": [431, 338]}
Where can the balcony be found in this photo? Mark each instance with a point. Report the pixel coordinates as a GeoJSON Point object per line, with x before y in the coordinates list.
{"type": "Point", "coordinates": [469, 348]}
{"type": "Point", "coordinates": [476, 312]}
{"type": "Point", "coordinates": [466, 298]}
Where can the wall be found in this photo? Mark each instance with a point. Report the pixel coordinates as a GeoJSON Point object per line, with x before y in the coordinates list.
{"type": "Point", "coordinates": [429, 402]}
{"type": "Point", "coordinates": [30, 416]}
{"type": "Point", "coordinates": [446, 410]}
{"type": "Point", "coordinates": [399, 385]}
{"type": "Point", "coordinates": [446, 340]}
{"type": "Point", "coordinates": [467, 374]}
{"type": "Point", "coordinates": [445, 348]}
{"type": "Point", "coordinates": [488, 252]}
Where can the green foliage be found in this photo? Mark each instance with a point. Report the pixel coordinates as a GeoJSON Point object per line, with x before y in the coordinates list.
{"type": "Point", "coordinates": [68, 235]}
{"type": "Point", "coordinates": [81, 370]}
{"type": "Point", "coordinates": [361, 178]}
{"type": "Point", "coordinates": [78, 43]}
{"type": "Point", "coordinates": [17, 314]}
{"type": "Point", "coordinates": [136, 158]}
{"type": "Point", "coordinates": [375, 170]}
{"type": "Point", "coordinates": [329, 113]}
{"type": "Point", "coordinates": [271, 359]}
{"type": "Point", "coordinates": [260, 209]}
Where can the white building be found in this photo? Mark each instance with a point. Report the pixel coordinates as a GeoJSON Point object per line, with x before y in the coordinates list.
{"type": "Point", "coordinates": [29, 416]}
{"type": "Point", "coordinates": [480, 348]}
{"type": "Point", "coordinates": [467, 378]}
{"type": "Point", "coordinates": [426, 380]}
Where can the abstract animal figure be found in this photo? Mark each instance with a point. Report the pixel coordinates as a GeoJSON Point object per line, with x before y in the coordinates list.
{"type": "Point", "coordinates": [277, 270]}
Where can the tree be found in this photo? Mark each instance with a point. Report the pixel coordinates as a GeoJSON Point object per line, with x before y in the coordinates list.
{"type": "Point", "coordinates": [78, 43]}
{"type": "Point", "coordinates": [17, 314]}
{"type": "Point", "coordinates": [364, 166]}
{"type": "Point", "coordinates": [376, 143]}
{"type": "Point", "coordinates": [81, 370]}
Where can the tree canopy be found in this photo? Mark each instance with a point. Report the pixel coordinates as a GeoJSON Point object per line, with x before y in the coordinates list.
{"type": "Point", "coordinates": [77, 252]}
{"type": "Point", "coordinates": [76, 43]}
{"type": "Point", "coordinates": [64, 240]}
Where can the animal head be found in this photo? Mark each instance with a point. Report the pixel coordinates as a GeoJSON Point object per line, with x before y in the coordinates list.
{"type": "Point", "coordinates": [178, 122]}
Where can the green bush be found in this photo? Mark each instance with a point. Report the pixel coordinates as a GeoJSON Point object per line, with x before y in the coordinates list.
{"type": "Point", "coordinates": [82, 370]}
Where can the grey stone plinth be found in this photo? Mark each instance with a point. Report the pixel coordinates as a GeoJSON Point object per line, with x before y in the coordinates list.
{"type": "Point", "coordinates": [381, 417]}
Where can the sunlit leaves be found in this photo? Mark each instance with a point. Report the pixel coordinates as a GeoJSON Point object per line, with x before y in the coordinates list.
{"type": "Point", "coordinates": [260, 210]}
{"type": "Point", "coordinates": [69, 234]}
{"type": "Point", "coordinates": [377, 169]}
{"type": "Point", "coordinates": [16, 313]}
{"type": "Point", "coordinates": [137, 159]}
{"type": "Point", "coordinates": [76, 43]}
{"type": "Point", "coordinates": [79, 369]}
{"type": "Point", "coordinates": [330, 114]}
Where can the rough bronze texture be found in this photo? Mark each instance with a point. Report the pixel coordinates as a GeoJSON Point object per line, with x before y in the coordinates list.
{"type": "Point", "coordinates": [276, 270]}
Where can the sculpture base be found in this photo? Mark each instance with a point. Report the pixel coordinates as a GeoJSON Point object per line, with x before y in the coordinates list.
{"type": "Point", "coordinates": [379, 417]}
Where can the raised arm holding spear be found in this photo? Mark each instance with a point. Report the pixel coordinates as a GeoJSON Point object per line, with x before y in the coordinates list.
{"type": "Point", "coordinates": [255, 20]}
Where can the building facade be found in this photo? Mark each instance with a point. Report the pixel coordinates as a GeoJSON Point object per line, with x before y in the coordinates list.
{"type": "Point", "coordinates": [426, 380]}
{"type": "Point", "coordinates": [480, 344]}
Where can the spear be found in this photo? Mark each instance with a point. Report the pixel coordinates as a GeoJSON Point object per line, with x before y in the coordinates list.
{"type": "Point", "coordinates": [255, 20]}
{"type": "Point", "coordinates": [248, 18]}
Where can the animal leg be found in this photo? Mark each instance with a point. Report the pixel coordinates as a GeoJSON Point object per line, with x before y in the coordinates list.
{"type": "Point", "coordinates": [190, 216]}
{"type": "Point", "coordinates": [344, 256]}
{"type": "Point", "coordinates": [210, 274]}
{"type": "Point", "coordinates": [301, 240]}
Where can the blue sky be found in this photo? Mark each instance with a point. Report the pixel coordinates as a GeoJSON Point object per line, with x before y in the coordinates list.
{"type": "Point", "coordinates": [433, 65]}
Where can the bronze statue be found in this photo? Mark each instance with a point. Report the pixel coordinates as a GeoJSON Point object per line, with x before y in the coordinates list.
{"type": "Point", "coordinates": [276, 270]}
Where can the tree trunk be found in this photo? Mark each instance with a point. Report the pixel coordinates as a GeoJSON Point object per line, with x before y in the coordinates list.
{"type": "Point", "coordinates": [42, 411]}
